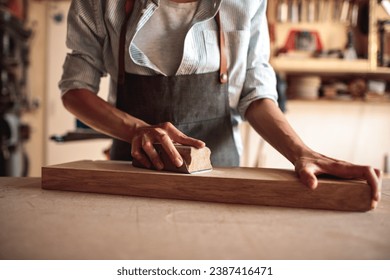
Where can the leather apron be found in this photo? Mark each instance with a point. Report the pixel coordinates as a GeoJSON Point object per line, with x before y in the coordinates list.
{"type": "Point", "coordinates": [197, 104]}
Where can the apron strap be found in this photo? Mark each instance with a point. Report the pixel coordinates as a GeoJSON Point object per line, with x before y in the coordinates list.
{"type": "Point", "coordinates": [223, 75]}
{"type": "Point", "coordinates": [122, 42]}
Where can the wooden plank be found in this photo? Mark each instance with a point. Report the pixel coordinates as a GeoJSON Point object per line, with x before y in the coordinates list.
{"type": "Point", "coordinates": [257, 186]}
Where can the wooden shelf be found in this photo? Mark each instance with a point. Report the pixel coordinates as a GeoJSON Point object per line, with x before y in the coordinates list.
{"type": "Point", "coordinates": [383, 70]}
{"type": "Point", "coordinates": [320, 65]}
{"type": "Point", "coordinates": [326, 66]}
{"type": "Point", "coordinates": [344, 102]}
{"type": "Point", "coordinates": [328, 30]}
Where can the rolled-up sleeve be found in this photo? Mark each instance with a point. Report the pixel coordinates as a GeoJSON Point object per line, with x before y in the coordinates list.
{"type": "Point", "coordinates": [260, 81]}
{"type": "Point", "coordinates": [84, 66]}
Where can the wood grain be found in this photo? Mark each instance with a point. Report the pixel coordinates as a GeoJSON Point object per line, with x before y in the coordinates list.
{"type": "Point", "coordinates": [257, 186]}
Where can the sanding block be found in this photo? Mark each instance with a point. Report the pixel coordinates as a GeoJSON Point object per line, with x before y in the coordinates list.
{"type": "Point", "coordinates": [194, 160]}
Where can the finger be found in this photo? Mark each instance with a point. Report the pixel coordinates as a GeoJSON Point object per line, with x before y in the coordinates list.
{"type": "Point", "coordinates": [179, 137]}
{"type": "Point", "coordinates": [147, 146]}
{"type": "Point", "coordinates": [378, 173]}
{"type": "Point", "coordinates": [360, 172]}
{"type": "Point", "coordinates": [189, 141]}
{"type": "Point", "coordinates": [373, 180]}
{"type": "Point", "coordinates": [138, 154]}
{"type": "Point", "coordinates": [307, 176]}
{"type": "Point", "coordinates": [170, 150]}
{"type": "Point", "coordinates": [351, 171]}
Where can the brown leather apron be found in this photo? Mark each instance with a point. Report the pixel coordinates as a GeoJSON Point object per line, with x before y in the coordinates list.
{"type": "Point", "coordinates": [197, 104]}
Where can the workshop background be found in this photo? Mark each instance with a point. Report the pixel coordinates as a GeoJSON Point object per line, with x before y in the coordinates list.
{"type": "Point", "coordinates": [332, 60]}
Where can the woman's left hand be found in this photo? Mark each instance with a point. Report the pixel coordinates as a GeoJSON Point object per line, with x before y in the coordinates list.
{"type": "Point", "coordinates": [267, 119]}
{"type": "Point", "coordinates": [309, 166]}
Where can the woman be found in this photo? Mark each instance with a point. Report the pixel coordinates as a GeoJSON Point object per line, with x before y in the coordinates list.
{"type": "Point", "coordinates": [186, 72]}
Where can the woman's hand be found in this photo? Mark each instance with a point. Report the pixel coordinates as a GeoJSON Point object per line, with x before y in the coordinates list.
{"type": "Point", "coordinates": [267, 119]}
{"type": "Point", "coordinates": [308, 167]}
{"type": "Point", "coordinates": [144, 137]}
{"type": "Point", "coordinates": [104, 117]}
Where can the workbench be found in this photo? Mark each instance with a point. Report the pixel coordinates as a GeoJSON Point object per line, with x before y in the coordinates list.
{"type": "Point", "coordinates": [47, 224]}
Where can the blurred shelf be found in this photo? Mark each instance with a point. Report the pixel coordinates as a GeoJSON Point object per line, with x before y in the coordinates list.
{"type": "Point", "coordinates": [328, 31]}
{"type": "Point", "coordinates": [320, 65]}
{"type": "Point", "coordinates": [383, 70]}
{"type": "Point", "coordinates": [326, 66]}
{"type": "Point", "coordinates": [381, 102]}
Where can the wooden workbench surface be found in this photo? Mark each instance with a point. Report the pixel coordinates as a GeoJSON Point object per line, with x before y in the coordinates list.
{"type": "Point", "coordinates": [41, 224]}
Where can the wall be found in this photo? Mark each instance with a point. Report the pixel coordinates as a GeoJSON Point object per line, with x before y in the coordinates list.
{"type": "Point", "coordinates": [48, 52]}
{"type": "Point", "coordinates": [35, 147]}
{"type": "Point", "coordinates": [58, 120]}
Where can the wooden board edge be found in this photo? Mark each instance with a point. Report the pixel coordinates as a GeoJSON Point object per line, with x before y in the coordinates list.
{"type": "Point", "coordinates": [198, 188]}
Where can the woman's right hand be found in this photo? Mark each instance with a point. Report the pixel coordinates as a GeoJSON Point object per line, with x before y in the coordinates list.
{"type": "Point", "coordinates": [166, 134]}
{"type": "Point", "coordinates": [103, 117]}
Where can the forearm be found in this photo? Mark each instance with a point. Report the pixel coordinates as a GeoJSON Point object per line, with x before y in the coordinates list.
{"type": "Point", "coordinates": [100, 115]}
{"type": "Point", "coordinates": [267, 119]}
